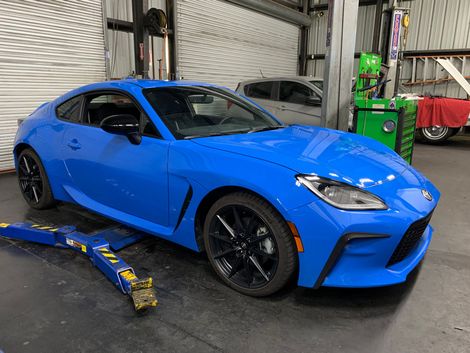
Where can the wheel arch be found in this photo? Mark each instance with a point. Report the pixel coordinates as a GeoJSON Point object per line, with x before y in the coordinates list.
{"type": "Point", "coordinates": [20, 147]}
{"type": "Point", "coordinates": [211, 197]}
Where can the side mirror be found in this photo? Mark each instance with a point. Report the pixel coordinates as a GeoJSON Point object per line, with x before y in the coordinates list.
{"type": "Point", "coordinates": [313, 101]}
{"type": "Point", "coordinates": [123, 124]}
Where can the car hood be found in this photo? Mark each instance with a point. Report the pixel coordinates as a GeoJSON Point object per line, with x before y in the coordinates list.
{"type": "Point", "coordinates": [337, 155]}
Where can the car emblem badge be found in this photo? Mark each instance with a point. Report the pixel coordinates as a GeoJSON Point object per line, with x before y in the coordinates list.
{"type": "Point", "coordinates": [427, 195]}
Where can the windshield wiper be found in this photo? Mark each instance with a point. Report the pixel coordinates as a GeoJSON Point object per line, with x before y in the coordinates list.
{"type": "Point", "coordinates": [267, 128]}
{"type": "Point", "coordinates": [215, 134]}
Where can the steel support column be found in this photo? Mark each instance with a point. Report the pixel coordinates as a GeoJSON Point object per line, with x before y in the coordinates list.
{"type": "Point", "coordinates": [171, 18]}
{"type": "Point", "coordinates": [377, 25]}
{"type": "Point", "coordinates": [339, 62]}
{"type": "Point", "coordinates": [303, 47]}
{"type": "Point", "coordinates": [141, 38]}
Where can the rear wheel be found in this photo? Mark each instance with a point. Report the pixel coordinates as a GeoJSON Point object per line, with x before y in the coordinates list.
{"type": "Point", "coordinates": [436, 134]}
{"type": "Point", "coordinates": [34, 184]}
{"type": "Point", "coordinates": [249, 245]}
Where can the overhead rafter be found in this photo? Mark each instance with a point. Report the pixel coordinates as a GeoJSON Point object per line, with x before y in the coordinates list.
{"type": "Point", "coordinates": [324, 7]}
{"type": "Point", "coordinates": [277, 10]}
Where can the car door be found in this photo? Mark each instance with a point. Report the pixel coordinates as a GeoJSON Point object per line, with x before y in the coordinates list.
{"type": "Point", "coordinates": [262, 93]}
{"type": "Point", "coordinates": [107, 169]}
{"type": "Point", "coordinates": [293, 107]}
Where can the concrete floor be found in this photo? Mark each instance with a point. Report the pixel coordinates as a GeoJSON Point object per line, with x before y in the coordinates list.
{"type": "Point", "coordinates": [53, 300]}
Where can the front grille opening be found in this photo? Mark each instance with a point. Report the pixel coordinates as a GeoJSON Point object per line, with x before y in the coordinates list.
{"type": "Point", "coordinates": [410, 240]}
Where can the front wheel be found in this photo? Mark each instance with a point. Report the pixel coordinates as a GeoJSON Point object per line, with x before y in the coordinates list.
{"type": "Point", "coordinates": [249, 244]}
{"type": "Point", "coordinates": [435, 134]}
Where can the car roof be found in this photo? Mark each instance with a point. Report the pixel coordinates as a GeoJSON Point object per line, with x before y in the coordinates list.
{"type": "Point", "coordinates": [127, 84]}
{"type": "Point", "coordinates": [282, 78]}
{"type": "Point", "coordinates": [143, 83]}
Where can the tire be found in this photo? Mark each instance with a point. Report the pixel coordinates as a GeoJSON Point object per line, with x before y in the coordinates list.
{"type": "Point", "coordinates": [33, 181]}
{"type": "Point", "coordinates": [435, 134]}
{"type": "Point", "coordinates": [262, 238]}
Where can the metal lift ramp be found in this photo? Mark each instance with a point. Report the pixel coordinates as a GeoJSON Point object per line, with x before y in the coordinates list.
{"type": "Point", "coordinates": [98, 247]}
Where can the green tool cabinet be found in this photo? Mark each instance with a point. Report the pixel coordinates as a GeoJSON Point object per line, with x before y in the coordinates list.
{"type": "Point", "coordinates": [390, 121]}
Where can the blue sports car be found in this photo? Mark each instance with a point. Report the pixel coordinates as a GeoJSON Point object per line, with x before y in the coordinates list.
{"type": "Point", "coordinates": [204, 167]}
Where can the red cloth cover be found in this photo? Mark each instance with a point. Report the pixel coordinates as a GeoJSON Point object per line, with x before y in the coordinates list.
{"type": "Point", "coordinates": [449, 112]}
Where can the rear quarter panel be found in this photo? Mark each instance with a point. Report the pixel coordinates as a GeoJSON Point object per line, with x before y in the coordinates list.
{"type": "Point", "coordinates": [43, 133]}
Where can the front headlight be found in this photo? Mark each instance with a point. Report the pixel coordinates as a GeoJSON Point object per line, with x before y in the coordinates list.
{"type": "Point", "coordinates": [341, 195]}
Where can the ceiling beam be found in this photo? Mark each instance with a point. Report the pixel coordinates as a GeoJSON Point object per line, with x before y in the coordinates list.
{"type": "Point", "coordinates": [273, 9]}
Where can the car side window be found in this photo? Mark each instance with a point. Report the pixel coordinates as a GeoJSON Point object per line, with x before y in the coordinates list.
{"type": "Point", "coordinates": [294, 92]}
{"type": "Point", "coordinates": [260, 90]}
{"type": "Point", "coordinates": [70, 110]}
{"type": "Point", "coordinates": [100, 106]}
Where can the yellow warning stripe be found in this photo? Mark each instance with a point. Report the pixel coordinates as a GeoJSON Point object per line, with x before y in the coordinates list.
{"type": "Point", "coordinates": [109, 255]}
{"type": "Point", "coordinates": [48, 228]}
{"type": "Point", "coordinates": [128, 275]}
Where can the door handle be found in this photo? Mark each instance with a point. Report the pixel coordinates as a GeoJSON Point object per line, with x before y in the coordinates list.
{"type": "Point", "coordinates": [74, 145]}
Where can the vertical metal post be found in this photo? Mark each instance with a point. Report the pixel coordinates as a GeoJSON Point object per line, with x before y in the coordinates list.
{"type": "Point", "coordinates": [339, 62]}
{"type": "Point", "coordinates": [172, 54]}
{"type": "Point", "coordinates": [377, 26]}
{"type": "Point", "coordinates": [464, 61]}
{"type": "Point", "coordinates": [425, 73]}
{"type": "Point", "coordinates": [303, 48]}
{"type": "Point", "coordinates": [393, 50]}
{"type": "Point", "coordinates": [141, 38]}
{"type": "Point", "coordinates": [106, 40]}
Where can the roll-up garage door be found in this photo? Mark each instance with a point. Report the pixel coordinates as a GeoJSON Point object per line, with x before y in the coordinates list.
{"type": "Point", "coordinates": [222, 43]}
{"type": "Point", "coordinates": [46, 49]}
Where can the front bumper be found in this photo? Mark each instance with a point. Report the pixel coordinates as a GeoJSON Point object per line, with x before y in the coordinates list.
{"type": "Point", "coordinates": [367, 272]}
{"type": "Point", "coordinates": [354, 248]}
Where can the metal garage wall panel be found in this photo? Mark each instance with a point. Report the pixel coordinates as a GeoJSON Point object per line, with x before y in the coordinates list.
{"type": "Point", "coordinates": [317, 39]}
{"type": "Point", "coordinates": [438, 24]}
{"type": "Point", "coordinates": [224, 44]}
{"type": "Point", "coordinates": [434, 24]}
{"type": "Point", "coordinates": [46, 49]}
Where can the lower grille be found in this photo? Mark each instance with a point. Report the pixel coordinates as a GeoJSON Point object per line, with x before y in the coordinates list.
{"type": "Point", "coordinates": [409, 240]}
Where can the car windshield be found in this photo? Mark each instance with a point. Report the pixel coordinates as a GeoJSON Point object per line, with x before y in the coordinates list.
{"type": "Point", "coordinates": [193, 111]}
{"type": "Point", "coordinates": [318, 84]}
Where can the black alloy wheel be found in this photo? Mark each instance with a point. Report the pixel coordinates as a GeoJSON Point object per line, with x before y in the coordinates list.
{"type": "Point", "coordinates": [33, 181]}
{"type": "Point", "coordinates": [249, 244]}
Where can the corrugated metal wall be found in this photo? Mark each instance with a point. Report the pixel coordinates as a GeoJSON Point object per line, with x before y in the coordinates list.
{"type": "Point", "coordinates": [435, 24]}
{"type": "Point", "coordinates": [46, 49]}
{"type": "Point", "coordinates": [317, 40]}
{"type": "Point", "coordinates": [438, 24]}
{"type": "Point", "coordinates": [222, 43]}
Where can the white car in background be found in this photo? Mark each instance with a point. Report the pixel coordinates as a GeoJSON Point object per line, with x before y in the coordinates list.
{"type": "Point", "coordinates": [294, 100]}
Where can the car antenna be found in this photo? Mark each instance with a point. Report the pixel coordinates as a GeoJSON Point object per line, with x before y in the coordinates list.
{"type": "Point", "coordinates": [261, 72]}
